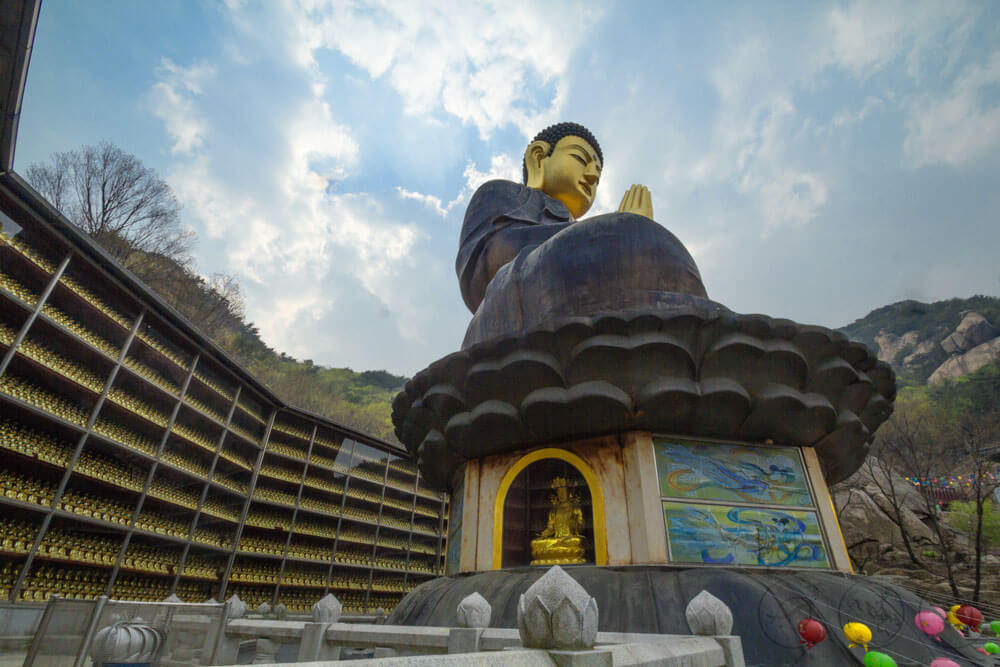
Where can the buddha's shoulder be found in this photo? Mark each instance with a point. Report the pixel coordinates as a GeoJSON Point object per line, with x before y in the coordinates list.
{"type": "Point", "coordinates": [500, 198]}
{"type": "Point", "coordinates": [499, 192]}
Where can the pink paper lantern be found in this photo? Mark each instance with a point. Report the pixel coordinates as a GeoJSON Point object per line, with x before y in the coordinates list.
{"type": "Point", "coordinates": [930, 622]}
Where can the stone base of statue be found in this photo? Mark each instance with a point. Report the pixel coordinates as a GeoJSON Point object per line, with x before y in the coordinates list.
{"type": "Point", "coordinates": [767, 606]}
{"type": "Point", "coordinates": [698, 444]}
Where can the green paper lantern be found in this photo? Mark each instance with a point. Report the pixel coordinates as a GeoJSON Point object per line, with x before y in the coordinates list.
{"type": "Point", "coordinates": [876, 659]}
{"type": "Point", "coordinates": [991, 648]}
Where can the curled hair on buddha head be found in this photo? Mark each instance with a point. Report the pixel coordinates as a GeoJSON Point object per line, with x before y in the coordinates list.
{"type": "Point", "coordinates": [553, 133]}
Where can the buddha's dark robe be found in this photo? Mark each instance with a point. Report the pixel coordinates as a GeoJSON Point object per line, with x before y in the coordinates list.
{"type": "Point", "coordinates": [561, 268]}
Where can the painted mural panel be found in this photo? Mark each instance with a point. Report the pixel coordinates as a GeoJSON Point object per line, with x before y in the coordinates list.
{"type": "Point", "coordinates": [731, 472]}
{"type": "Point", "coordinates": [728, 535]}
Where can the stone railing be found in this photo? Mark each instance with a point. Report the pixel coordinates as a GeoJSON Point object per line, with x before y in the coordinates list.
{"type": "Point", "coordinates": [557, 625]}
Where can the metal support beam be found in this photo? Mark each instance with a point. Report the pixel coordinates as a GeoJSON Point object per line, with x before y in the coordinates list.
{"type": "Point", "coordinates": [64, 482]}
{"type": "Point", "coordinates": [39, 304]}
{"type": "Point", "coordinates": [413, 522]}
{"type": "Point", "coordinates": [340, 518]}
{"type": "Point", "coordinates": [246, 504]}
{"type": "Point", "coordinates": [378, 529]}
{"type": "Point", "coordinates": [295, 514]}
{"type": "Point", "coordinates": [204, 490]}
{"type": "Point", "coordinates": [149, 476]}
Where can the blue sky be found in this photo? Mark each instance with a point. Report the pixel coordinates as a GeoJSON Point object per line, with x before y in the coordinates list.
{"type": "Point", "coordinates": [818, 159]}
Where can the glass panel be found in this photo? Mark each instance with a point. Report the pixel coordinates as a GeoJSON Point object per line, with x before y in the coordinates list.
{"type": "Point", "coordinates": [731, 472]}
{"type": "Point", "coordinates": [733, 535]}
{"type": "Point", "coordinates": [64, 633]}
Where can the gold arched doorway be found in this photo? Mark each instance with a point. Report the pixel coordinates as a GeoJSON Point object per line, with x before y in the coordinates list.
{"type": "Point", "coordinates": [593, 486]}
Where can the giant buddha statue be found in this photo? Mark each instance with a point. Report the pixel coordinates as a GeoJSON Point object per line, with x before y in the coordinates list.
{"type": "Point", "coordinates": [594, 348]}
{"type": "Point", "coordinates": [528, 256]}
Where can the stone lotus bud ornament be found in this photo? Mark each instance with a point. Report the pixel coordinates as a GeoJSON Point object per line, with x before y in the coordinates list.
{"type": "Point", "coordinates": [708, 615]}
{"type": "Point", "coordinates": [557, 613]}
{"type": "Point", "coordinates": [237, 607]}
{"type": "Point", "coordinates": [264, 609]}
{"type": "Point", "coordinates": [474, 612]}
{"type": "Point", "coordinates": [172, 598]}
{"type": "Point", "coordinates": [327, 610]}
{"type": "Point", "coordinates": [124, 642]}
{"type": "Point", "coordinates": [280, 611]}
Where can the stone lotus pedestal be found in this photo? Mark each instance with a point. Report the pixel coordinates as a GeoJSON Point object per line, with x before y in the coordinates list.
{"type": "Point", "coordinates": [599, 392]}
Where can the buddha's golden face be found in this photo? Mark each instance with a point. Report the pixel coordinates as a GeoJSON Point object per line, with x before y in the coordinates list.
{"type": "Point", "coordinates": [571, 174]}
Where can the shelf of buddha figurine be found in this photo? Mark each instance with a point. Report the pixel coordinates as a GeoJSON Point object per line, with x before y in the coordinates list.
{"type": "Point", "coordinates": [285, 452]}
{"type": "Point", "coordinates": [235, 458]}
{"type": "Point", "coordinates": [202, 566]}
{"type": "Point", "coordinates": [289, 430]}
{"type": "Point", "coordinates": [244, 573]}
{"type": "Point", "coordinates": [42, 264]}
{"type": "Point", "coordinates": [17, 536]}
{"type": "Point", "coordinates": [32, 396]}
{"type": "Point", "coordinates": [282, 473]}
{"type": "Point", "coordinates": [215, 386]}
{"type": "Point", "coordinates": [39, 359]}
{"type": "Point", "coordinates": [348, 584]}
{"type": "Point", "coordinates": [70, 582]}
{"type": "Point", "coordinates": [263, 546]}
{"type": "Point", "coordinates": [254, 414]}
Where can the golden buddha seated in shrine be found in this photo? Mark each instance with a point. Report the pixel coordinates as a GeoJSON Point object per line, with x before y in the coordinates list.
{"type": "Point", "coordinates": [562, 542]}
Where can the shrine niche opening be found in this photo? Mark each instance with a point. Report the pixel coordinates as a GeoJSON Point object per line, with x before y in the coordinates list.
{"type": "Point", "coordinates": [549, 510]}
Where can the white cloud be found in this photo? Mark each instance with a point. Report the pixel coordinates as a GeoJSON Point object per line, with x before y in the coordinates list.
{"type": "Point", "coordinates": [173, 101]}
{"type": "Point", "coordinates": [960, 126]}
{"type": "Point", "coordinates": [479, 62]}
{"type": "Point", "coordinates": [868, 34]}
{"type": "Point", "coordinates": [502, 166]}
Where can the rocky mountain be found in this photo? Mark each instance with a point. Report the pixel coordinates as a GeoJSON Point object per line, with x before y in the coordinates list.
{"type": "Point", "coordinates": [927, 343]}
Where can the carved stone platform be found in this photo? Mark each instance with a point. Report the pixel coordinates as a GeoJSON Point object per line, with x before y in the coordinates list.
{"type": "Point", "coordinates": [767, 606]}
{"type": "Point", "coordinates": [691, 370]}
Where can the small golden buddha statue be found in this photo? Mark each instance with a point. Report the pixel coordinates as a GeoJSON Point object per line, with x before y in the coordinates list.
{"type": "Point", "coordinates": [562, 541]}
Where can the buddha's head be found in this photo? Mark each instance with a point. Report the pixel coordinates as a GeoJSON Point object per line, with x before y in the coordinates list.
{"type": "Point", "coordinates": [565, 161]}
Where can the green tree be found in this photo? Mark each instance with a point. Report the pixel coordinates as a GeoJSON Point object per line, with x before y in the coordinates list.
{"type": "Point", "coordinates": [962, 516]}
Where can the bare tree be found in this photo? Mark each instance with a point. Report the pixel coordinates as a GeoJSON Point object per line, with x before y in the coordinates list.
{"type": "Point", "coordinates": [916, 446]}
{"type": "Point", "coordinates": [122, 204]}
{"type": "Point", "coordinates": [980, 438]}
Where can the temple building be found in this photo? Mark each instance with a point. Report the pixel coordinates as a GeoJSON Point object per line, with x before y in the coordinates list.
{"type": "Point", "coordinates": [138, 460]}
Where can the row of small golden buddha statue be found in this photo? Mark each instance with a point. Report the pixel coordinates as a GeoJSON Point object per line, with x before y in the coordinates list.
{"type": "Point", "coordinates": [81, 547]}
{"type": "Point", "coordinates": [46, 448]}
{"type": "Point", "coordinates": [35, 444]}
{"type": "Point", "coordinates": [75, 286]}
{"type": "Point", "coordinates": [56, 405]}
{"type": "Point", "coordinates": [83, 376]}
{"type": "Point", "coordinates": [31, 490]}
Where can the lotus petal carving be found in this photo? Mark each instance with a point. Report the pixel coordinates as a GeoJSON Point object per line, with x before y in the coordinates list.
{"type": "Point", "coordinates": [474, 612]}
{"type": "Point", "coordinates": [327, 610]}
{"type": "Point", "coordinates": [688, 371]}
{"type": "Point", "coordinates": [557, 613]}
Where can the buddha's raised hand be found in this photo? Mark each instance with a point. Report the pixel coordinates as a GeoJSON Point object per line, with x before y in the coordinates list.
{"type": "Point", "coordinates": [637, 200]}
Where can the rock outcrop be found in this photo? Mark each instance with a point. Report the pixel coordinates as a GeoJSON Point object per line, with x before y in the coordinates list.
{"type": "Point", "coordinates": [971, 361]}
{"type": "Point", "coordinates": [972, 331]}
{"type": "Point", "coordinates": [938, 352]}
